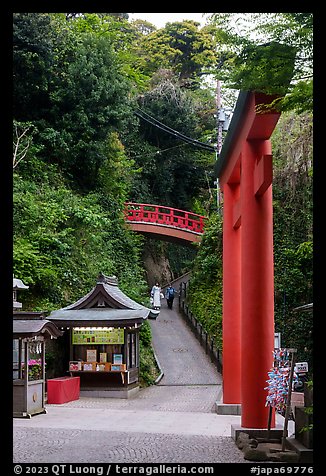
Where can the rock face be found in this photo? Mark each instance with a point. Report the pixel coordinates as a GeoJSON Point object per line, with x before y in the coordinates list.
{"type": "Point", "coordinates": [157, 268]}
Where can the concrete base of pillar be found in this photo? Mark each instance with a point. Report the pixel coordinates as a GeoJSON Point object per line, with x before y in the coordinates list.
{"type": "Point", "coordinates": [227, 408]}
{"type": "Point", "coordinates": [275, 433]}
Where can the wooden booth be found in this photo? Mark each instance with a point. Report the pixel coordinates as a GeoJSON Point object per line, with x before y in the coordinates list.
{"type": "Point", "coordinates": [30, 331]}
{"type": "Point", "coordinates": [103, 329]}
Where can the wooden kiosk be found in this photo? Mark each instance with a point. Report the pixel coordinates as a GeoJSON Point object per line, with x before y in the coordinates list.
{"type": "Point", "coordinates": [103, 331]}
{"type": "Point", "coordinates": [30, 331]}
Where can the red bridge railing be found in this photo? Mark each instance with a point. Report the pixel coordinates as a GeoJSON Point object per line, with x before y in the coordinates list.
{"type": "Point", "coordinates": [156, 214]}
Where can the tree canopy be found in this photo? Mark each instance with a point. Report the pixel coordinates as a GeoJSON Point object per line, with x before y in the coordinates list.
{"type": "Point", "coordinates": [181, 47]}
{"type": "Point", "coordinates": [264, 51]}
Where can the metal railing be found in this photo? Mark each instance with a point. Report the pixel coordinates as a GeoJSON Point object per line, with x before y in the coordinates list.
{"type": "Point", "coordinates": [156, 214]}
{"type": "Point", "coordinates": [208, 343]}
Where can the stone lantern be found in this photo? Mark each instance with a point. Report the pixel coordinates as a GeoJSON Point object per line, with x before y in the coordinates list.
{"type": "Point", "coordinates": [17, 285]}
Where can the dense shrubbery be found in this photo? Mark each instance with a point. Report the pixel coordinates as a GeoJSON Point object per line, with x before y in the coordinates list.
{"type": "Point", "coordinates": [64, 239]}
{"type": "Point", "coordinates": [147, 363]}
{"type": "Point", "coordinates": [205, 289]}
{"type": "Point", "coordinates": [71, 102]}
{"type": "Point", "coordinates": [293, 233]}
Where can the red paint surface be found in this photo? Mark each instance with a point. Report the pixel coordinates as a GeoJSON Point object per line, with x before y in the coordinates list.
{"type": "Point", "coordinates": [166, 223]}
{"type": "Point", "coordinates": [156, 214]}
{"type": "Point", "coordinates": [257, 291]}
{"type": "Point", "coordinates": [263, 174]}
{"type": "Point", "coordinates": [231, 299]}
{"type": "Point", "coordinates": [161, 231]}
{"type": "Point", "coordinates": [63, 389]}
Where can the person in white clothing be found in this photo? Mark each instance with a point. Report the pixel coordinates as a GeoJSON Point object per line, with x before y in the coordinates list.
{"type": "Point", "coordinates": [156, 294]}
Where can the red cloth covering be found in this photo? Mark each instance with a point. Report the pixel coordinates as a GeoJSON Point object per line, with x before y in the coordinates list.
{"type": "Point", "coordinates": [63, 389]}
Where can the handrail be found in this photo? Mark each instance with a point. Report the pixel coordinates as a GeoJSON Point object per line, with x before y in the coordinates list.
{"type": "Point", "coordinates": [149, 213]}
{"type": "Point", "coordinates": [206, 341]}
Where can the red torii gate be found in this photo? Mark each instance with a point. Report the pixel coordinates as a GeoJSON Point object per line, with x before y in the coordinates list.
{"type": "Point", "coordinates": [244, 170]}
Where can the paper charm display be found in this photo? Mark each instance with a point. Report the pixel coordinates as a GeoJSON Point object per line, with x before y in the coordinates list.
{"type": "Point", "coordinates": [279, 380]}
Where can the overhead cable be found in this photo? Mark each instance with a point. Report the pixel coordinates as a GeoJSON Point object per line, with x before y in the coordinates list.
{"type": "Point", "coordinates": [159, 151]}
{"type": "Point", "coordinates": [173, 132]}
{"type": "Point", "coordinates": [146, 117]}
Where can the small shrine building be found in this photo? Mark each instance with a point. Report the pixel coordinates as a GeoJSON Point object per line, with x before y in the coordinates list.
{"type": "Point", "coordinates": [30, 332]}
{"type": "Point", "coordinates": [103, 328]}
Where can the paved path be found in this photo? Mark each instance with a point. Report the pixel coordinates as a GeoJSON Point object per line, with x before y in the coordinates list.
{"type": "Point", "coordinates": [172, 422]}
{"type": "Point", "coordinates": [181, 356]}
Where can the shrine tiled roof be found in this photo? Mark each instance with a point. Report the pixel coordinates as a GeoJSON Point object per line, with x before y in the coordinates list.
{"type": "Point", "coordinates": [34, 327]}
{"type": "Point", "coordinates": [105, 303]}
{"type": "Point", "coordinates": [99, 317]}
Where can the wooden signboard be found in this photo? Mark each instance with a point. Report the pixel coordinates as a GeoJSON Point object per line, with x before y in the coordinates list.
{"type": "Point", "coordinates": [97, 336]}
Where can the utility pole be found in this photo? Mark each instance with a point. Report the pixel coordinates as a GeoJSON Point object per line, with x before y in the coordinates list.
{"type": "Point", "coordinates": [219, 136]}
{"type": "Point", "coordinates": [219, 116]}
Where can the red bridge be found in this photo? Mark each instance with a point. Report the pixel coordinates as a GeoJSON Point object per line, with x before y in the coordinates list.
{"type": "Point", "coordinates": [165, 223]}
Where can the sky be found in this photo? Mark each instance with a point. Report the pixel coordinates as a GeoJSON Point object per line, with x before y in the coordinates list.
{"type": "Point", "coordinates": [160, 19]}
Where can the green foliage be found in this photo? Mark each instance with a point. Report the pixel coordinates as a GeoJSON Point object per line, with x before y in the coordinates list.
{"type": "Point", "coordinates": [115, 175]}
{"type": "Point", "coordinates": [300, 98]}
{"type": "Point", "coordinates": [180, 257]}
{"type": "Point", "coordinates": [143, 26]}
{"type": "Point", "coordinates": [85, 95]}
{"type": "Point", "coordinates": [148, 371]}
{"type": "Point", "coordinates": [182, 47]}
{"type": "Point", "coordinates": [267, 68]}
{"type": "Point", "coordinates": [30, 263]}
{"type": "Point", "coordinates": [309, 410]}
{"type": "Point", "coordinates": [293, 245]}
{"type": "Point", "coordinates": [264, 51]}
{"type": "Point", "coordinates": [205, 289]}
{"type": "Point", "coordinates": [147, 364]}
{"type": "Point", "coordinates": [62, 240]}
{"type": "Point", "coordinates": [145, 334]}
{"type": "Point", "coordinates": [33, 42]}
{"type": "Point", "coordinates": [90, 101]}
{"type": "Point", "coordinates": [172, 172]}
{"type": "Point", "coordinates": [73, 89]}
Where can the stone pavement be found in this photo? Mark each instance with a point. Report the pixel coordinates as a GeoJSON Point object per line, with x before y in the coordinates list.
{"type": "Point", "coordinates": [181, 357]}
{"type": "Point", "coordinates": [172, 422]}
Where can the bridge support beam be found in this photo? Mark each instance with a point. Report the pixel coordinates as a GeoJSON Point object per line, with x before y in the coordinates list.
{"type": "Point", "coordinates": [244, 170]}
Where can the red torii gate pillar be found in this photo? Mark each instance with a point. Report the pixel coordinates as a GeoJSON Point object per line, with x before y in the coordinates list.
{"type": "Point", "coordinates": [244, 170]}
